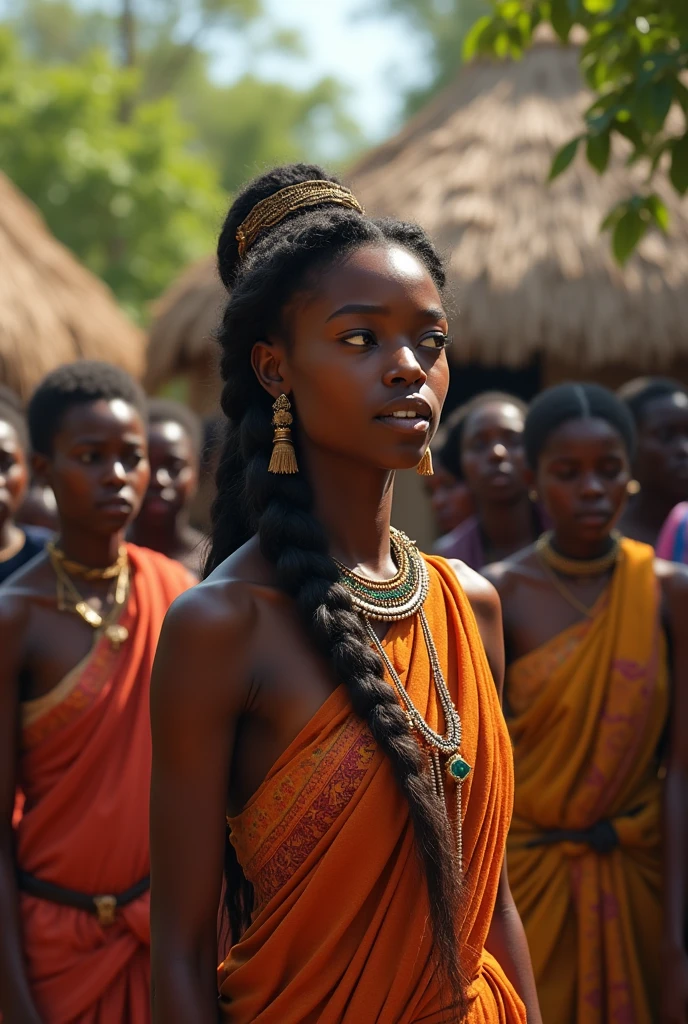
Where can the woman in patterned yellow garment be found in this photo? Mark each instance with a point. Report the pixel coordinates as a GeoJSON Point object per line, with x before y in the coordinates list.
{"type": "Point", "coordinates": [586, 616]}
{"type": "Point", "coordinates": [326, 686]}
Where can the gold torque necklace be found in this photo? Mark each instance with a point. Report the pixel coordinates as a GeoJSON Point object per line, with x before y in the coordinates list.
{"type": "Point", "coordinates": [70, 600]}
{"type": "Point", "coordinates": [398, 598]}
{"type": "Point", "coordinates": [552, 563]}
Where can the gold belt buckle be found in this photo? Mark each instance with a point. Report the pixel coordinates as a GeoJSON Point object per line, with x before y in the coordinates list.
{"type": "Point", "coordinates": [106, 907]}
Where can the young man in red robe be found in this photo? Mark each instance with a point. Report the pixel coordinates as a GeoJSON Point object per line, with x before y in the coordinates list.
{"type": "Point", "coordinates": [78, 631]}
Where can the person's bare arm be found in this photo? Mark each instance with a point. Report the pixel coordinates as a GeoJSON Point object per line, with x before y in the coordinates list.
{"type": "Point", "coordinates": [198, 691]}
{"type": "Point", "coordinates": [15, 996]}
{"type": "Point", "coordinates": [675, 816]}
{"type": "Point", "coordinates": [506, 939]}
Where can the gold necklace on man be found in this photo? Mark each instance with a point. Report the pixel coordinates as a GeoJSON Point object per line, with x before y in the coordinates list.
{"type": "Point", "coordinates": [69, 599]}
{"type": "Point", "coordinates": [399, 598]}
{"type": "Point", "coordinates": [555, 565]}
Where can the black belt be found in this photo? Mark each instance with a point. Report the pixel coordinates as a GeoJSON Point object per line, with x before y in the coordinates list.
{"type": "Point", "coordinates": [601, 837]}
{"type": "Point", "coordinates": [103, 906]}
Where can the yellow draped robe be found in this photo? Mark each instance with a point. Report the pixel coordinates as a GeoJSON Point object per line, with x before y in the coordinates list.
{"type": "Point", "coordinates": [587, 714]}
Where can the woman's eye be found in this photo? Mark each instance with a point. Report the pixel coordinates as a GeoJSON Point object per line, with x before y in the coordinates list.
{"type": "Point", "coordinates": [435, 341]}
{"type": "Point", "coordinates": [359, 340]}
{"type": "Point", "coordinates": [87, 458]}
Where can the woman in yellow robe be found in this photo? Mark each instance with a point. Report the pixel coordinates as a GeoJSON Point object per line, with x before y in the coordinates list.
{"type": "Point", "coordinates": [586, 619]}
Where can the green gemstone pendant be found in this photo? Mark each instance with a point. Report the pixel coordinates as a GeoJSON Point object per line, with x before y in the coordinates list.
{"type": "Point", "coordinates": [458, 769]}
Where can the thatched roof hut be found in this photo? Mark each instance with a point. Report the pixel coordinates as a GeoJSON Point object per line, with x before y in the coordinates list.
{"type": "Point", "coordinates": [530, 272]}
{"type": "Point", "coordinates": [52, 310]}
{"type": "Point", "coordinates": [181, 338]}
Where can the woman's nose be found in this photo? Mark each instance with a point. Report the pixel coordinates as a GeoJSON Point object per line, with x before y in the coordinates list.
{"type": "Point", "coordinates": [406, 369]}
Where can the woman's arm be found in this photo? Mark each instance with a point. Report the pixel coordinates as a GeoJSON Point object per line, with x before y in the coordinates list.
{"type": "Point", "coordinates": [197, 695]}
{"type": "Point", "coordinates": [15, 996]}
{"type": "Point", "coordinates": [507, 942]}
{"type": "Point", "coordinates": [675, 817]}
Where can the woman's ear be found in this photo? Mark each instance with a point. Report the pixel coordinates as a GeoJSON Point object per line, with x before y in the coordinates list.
{"type": "Point", "coordinates": [529, 477]}
{"type": "Point", "coordinates": [40, 466]}
{"type": "Point", "coordinates": [269, 362]}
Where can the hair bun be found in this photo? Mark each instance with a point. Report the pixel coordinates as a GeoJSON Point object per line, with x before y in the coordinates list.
{"type": "Point", "coordinates": [262, 187]}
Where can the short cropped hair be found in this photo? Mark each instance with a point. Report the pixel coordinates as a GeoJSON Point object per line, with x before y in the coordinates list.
{"type": "Point", "coordinates": [564, 402]}
{"type": "Point", "coordinates": [165, 410]}
{"type": "Point", "coordinates": [638, 393]}
{"type": "Point", "coordinates": [77, 383]}
{"type": "Point", "coordinates": [12, 412]}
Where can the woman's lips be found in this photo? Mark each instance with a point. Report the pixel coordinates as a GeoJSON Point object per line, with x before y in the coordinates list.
{"type": "Point", "coordinates": [405, 424]}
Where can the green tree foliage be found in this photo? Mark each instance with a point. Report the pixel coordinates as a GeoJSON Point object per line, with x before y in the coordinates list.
{"type": "Point", "coordinates": [128, 197]}
{"type": "Point", "coordinates": [444, 25]}
{"type": "Point", "coordinates": [635, 61]}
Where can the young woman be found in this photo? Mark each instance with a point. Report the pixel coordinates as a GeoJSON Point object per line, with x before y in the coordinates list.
{"type": "Point", "coordinates": [18, 544]}
{"type": "Point", "coordinates": [489, 436]}
{"type": "Point", "coordinates": [78, 629]}
{"type": "Point", "coordinates": [597, 837]}
{"type": "Point", "coordinates": [311, 687]}
{"type": "Point", "coordinates": [660, 467]}
{"type": "Point", "coordinates": [450, 499]}
{"type": "Point", "coordinates": [174, 451]}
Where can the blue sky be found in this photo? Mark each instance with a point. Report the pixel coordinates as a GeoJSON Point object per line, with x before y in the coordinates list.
{"type": "Point", "coordinates": [376, 58]}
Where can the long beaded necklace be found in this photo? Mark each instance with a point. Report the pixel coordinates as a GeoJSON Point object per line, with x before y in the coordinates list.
{"type": "Point", "coordinates": [399, 598]}
{"type": "Point", "coordinates": [70, 600]}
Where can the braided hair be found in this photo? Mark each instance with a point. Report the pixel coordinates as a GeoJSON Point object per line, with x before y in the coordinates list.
{"type": "Point", "coordinates": [280, 510]}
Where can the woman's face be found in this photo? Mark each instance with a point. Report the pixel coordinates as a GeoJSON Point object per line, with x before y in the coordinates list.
{"type": "Point", "coordinates": [14, 474]}
{"type": "Point", "coordinates": [661, 463]}
{"type": "Point", "coordinates": [450, 499]}
{"type": "Point", "coordinates": [582, 477]}
{"type": "Point", "coordinates": [174, 472]}
{"type": "Point", "coordinates": [493, 458]}
{"type": "Point", "coordinates": [365, 366]}
{"type": "Point", "coordinates": [98, 468]}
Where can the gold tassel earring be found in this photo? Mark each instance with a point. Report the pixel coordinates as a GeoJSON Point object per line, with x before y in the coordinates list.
{"type": "Point", "coordinates": [424, 467]}
{"type": "Point", "coordinates": [283, 459]}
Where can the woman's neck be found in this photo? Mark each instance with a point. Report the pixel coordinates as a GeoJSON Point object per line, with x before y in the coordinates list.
{"type": "Point", "coordinates": [354, 505]}
{"type": "Point", "coordinates": [9, 534]}
{"type": "Point", "coordinates": [507, 526]}
{"type": "Point", "coordinates": [167, 536]}
{"type": "Point", "coordinates": [95, 550]}
{"type": "Point", "coordinates": [581, 549]}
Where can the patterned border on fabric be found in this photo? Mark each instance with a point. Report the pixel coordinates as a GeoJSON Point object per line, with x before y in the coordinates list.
{"type": "Point", "coordinates": [96, 674]}
{"type": "Point", "coordinates": [334, 775]}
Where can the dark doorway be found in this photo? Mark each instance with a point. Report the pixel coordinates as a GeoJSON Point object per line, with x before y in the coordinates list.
{"type": "Point", "coordinates": [470, 379]}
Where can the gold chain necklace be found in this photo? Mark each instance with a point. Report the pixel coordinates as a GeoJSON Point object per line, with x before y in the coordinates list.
{"type": "Point", "coordinates": [390, 601]}
{"type": "Point", "coordinates": [70, 600]}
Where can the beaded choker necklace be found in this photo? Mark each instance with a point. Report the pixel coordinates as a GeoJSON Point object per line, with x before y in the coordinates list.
{"type": "Point", "coordinates": [577, 566]}
{"type": "Point", "coordinates": [390, 601]}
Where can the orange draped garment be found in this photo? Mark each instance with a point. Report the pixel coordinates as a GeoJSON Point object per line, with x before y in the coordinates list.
{"type": "Point", "coordinates": [85, 773]}
{"type": "Point", "coordinates": [341, 933]}
{"type": "Point", "coordinates": [588, 712]}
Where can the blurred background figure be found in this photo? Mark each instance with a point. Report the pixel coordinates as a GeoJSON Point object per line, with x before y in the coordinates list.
{"type": "Point", "coordinates": [489, 435]}
{"type": "Point", "coordinates": [174, 447]}
{"type": "Point", "coordinates": [18, 544]}
{"type": "Point", "coordinates": [659, 407]}
{"type": "Point", "coordinates": [673, 538]}
{"type": "Point", "coordinates": [38, 508]}
{"type": "Point", "coordinates": [450, 498]}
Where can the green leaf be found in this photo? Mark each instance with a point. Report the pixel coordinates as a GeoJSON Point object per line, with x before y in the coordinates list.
{"type": "Point", "coordinates": [562, 22]}
{"type": "Point", "coordinates": [473, 41]}
{"type": "Point", "coordinates": [629, 230]}
{"type": "Point", "coordinates": [563, 158]}
{"type": "Point", "coordinates": [652, 105]}
{"type": "Point", "coordinates": [679, 165]}
{"type": "Point", "coordinates": [658, 212]}
{"type": "Point", "coordinates": [597, 151]}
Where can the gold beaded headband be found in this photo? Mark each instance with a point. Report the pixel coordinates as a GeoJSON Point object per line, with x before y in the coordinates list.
{"type": "Point", "coordinates": [269, 212]}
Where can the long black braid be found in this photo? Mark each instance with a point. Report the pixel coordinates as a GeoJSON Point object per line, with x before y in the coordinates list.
{"type": "Point", "coordinates": [280, 510]}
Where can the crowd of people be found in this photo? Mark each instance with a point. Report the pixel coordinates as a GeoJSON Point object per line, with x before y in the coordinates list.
{"type": "Point", "coordinates": [374, 786]}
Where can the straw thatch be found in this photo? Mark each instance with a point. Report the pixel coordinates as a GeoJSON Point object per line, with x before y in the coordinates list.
{"type": "Point", "coordinates": [530, 272]}
{"type": "Point", "coordinates": [181, 336]}
{"type": "Point", "coordinates": [52, 310]}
